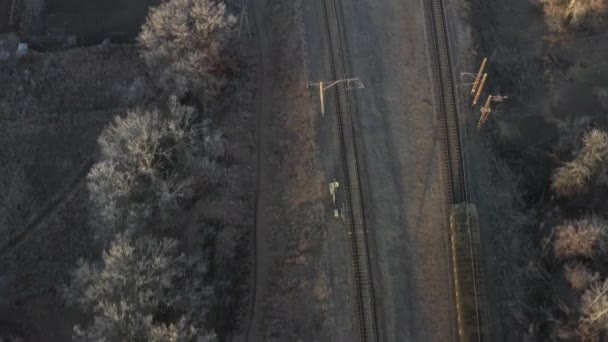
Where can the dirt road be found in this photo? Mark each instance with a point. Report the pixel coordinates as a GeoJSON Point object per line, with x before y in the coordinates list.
{"type": "Point", "coordinates": [398, 135]}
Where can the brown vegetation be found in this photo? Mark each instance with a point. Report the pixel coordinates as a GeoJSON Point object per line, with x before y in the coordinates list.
{"type": "Point", "coordinates": [594, 310]}
{"type": "Point", "coordinates": [579, 276]}
{"type": "Point", "coordinates": [562, 15]}
{"type": "Point", "coordinates": [581, 238]}
{"type": "Point", "coordinates": [574, 177]}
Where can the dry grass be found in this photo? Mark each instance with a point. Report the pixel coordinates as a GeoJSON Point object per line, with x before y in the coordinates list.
{"type": "Point", "coordinates": [573, 177]}
{"type": "Point", "coordinates": [579, 276]}
{"type": "Point", "coordinates": [580, 238]}
{"type": "Point", "coordinates": [562, 15]}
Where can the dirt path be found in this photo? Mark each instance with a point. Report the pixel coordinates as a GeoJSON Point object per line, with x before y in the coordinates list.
{"type": "Point", "coordinates": [256, 9]}
{"type": "Point", "coordinates": [52, 206]}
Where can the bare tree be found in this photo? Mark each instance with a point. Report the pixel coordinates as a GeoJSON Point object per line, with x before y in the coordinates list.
{"type": "Point", "coordinates": [580, 238]}
{"type": "Point", "coordinates": [579, 276]}
{"type": "Point", "coordinates": [573, 177]}
{"type": "Point", "coordinates": [150, 164]}
{"type": "Point", "coordinates": [561, 15]}
{"type": "Point", "coordinates": [594, 309]}
{"type": "Point", "coordinates": [142, 290]}
{"type": "Point", "coordinates": [185, 40]}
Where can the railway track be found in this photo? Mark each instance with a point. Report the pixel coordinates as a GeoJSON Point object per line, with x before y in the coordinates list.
{"type": "Point", "coordinates": [444, 89]}
{"type": "Point", "coordinates": [468, 276]}
{"type": "Point", "coordinates": [358, 234]}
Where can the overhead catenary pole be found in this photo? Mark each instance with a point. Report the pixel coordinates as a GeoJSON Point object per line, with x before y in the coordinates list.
{"type": "Point", "coordinates": [487, 108]}
{"type": "Point", "coordinates": [478, 78]}
{"type": "Point", "coordinates": [485, 111]}
{"type": "Point", "coordinates": [351, 83]}
{"type": "Point", "coordinates": [480, 90]}
{"type": "Point", "coordinates": [322, 98]}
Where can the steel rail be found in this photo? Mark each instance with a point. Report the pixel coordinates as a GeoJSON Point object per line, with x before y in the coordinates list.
{"type": "Point", "coordinates": [354, 202]}
{"type": "Point", "coordinates": [454, 166]}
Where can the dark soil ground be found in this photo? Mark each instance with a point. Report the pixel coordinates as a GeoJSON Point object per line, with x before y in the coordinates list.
{"type": "Point", "coordinates": [5, 9]}
{"type": "Point", "coordinates": [94, 20]}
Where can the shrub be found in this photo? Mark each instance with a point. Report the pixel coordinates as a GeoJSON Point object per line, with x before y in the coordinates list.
{"type": "Point", "coordinates": [580, 238]}
{"type": "Point", "coordinates": [573, 177]}
{"type": "Point", "coordinates": [150, 165]}
{"type": "Point", "coordinates": [185, 40]}
{"type": "Point", "coordinates": [142, 290]}
{"type": "Point", "coordinates": [579, 276]}
{"type": "Point", "coordinates": [594, 309]}
{"type": "Point", "coordinates": [561, 15]}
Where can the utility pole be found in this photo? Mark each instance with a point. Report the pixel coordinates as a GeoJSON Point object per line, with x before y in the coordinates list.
{"type": "Point", "coordinates": [486, 109]}
{"type": "Point", "coordinates": [480, 89]}
{"type": "Point", "coordinates": [478, 78]}
{"type": "Point", "coordinates": [351, 83]}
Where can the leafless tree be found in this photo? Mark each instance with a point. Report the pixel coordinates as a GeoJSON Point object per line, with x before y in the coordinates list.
{"type": "Point", "coordinates": [185, 40]}
{"type": "Point", "coordinates": [579, 276]}
{"type": "Point", "coordinates": [151, 163]}
{"type": "Point", "coordinates": [142, 290]}
{"type": "Point", "coordinates": [580, 238]}
{"type": "Point", "coordinates": [594, 309]}
{"type": "Point", "coordinates": [573, 177]}
{"type": "Point", "coordinates": [561, 15]}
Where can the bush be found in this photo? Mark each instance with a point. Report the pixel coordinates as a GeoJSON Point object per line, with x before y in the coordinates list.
{"type": "Point", "coordinates": [580, 238]}
{"type": "Point", "coordinates": [143, 290]}
{"type": "Point", "coordinates": [185, 40]}
{"type": "Point", "coordinates": [594, 310]}
{"type": "Point", "coordinates": [573, 177]}
{"type": "Point", "coordinates": [579, 276]}
{"type": "Point", "coordinates": [150, 165]}
{"type": "Point", "coordinates": [564, 14]}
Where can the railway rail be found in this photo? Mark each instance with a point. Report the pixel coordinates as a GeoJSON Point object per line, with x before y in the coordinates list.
{"type": "Point", "coordinates": [358, 234]}
{"type": "Point", "coordinates": [468, 276]}
{"type": "Point", "coordinates": [444, 89]}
